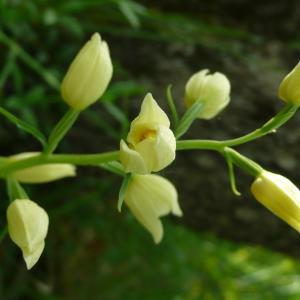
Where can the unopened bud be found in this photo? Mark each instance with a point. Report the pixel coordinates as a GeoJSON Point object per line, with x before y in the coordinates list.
{"type": "Point", "coordinates": [27, 227]}
{"type": "Point", "coordinates": [211, 89]}
{"type": "Point", "coordinates": [280, 196]}
{"type": "Point", "coordinates": [88, 75]}
{"type": "Point", "coordinates": [289, 89]}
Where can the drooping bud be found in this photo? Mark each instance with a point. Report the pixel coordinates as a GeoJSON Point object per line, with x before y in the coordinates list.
{"type": "Point", "coordinates": [41, 173]}
{"type": "Point", "coordinates": [280, 196]}
{"type": "Point", "coordinates": [151, 143]}
{"type": "Point", "coordinates": [289, 89]}
{"type": "Point", "coordinates": [150, 197]}
{"type": "Point", "coordinates": [88, 75]}
{"type": "Point", "coordinates": [27, 227]}
{"type": "Point", "coordinates": [211, 89]}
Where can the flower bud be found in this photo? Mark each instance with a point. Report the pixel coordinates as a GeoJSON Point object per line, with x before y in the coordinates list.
{"type": "Point", "coordinates": [27, 227]}
{"type": "Point", "coordinates": [289, 89]}
{"type": "Point", "coordinates": [213, 90]}
{"type": "Point", "coordinates": [280, 196]}
{"type": "Point", "coordinates": [151, 143]}
{"type": "Point", "coordinates": [42, 173]}
{"type": "Point", "coordinates": [150, 197]}
{"type": "Point", "coordinates": [88, 75]}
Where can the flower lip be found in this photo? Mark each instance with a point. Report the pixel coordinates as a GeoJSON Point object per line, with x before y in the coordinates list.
{"type": "Point", "coordinates": [151, 144]}
{"type": "Point", "coordinates": [147, 134]}
{"type": "Point", "coordinates": [149, 198]}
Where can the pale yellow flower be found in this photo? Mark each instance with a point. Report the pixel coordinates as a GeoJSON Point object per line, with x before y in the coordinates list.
{"type": "Point", "coordinates": [41, 173]}
{"type": "Point", "coordinates": [211, 89]}
{"type": "Point", "coordinates": [88, 75]}
{"type": "Point", "coordinates": [150, 197]}
{"type": "Point", "coordinates": [280, 196]}
{"type": "Point", "coordinates": [289, 89]}
{"type": "Point", "coordinates": [27, 227]}
{"type": "Point", "coordinates": [151, 143]}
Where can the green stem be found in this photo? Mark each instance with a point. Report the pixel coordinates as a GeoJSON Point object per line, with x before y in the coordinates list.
{"type": "Point", "coordinates": [96, 159]}
{"type": "Point", "coordinates": [246, 164]}
{"type": "Point", "coordinates": [282, 117]}
{"type": "Point", "coordinates": [278, 120]}
{"type": "Point", "coordinates": [76, 159]}
{"type": "Point", "coordinates": [200, 145]}
{"type": "Point", "coordinates": [61, 129]}
{"type": "Point", "coordinates": [15, 190]}
{"type": "Point", "coordinates": [172, 106]}
{"type": "Point", "coordinates": [114, 167]}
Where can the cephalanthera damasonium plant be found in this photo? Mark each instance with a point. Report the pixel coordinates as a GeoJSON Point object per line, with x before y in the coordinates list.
{"type": "Point", "coordinates": [150, 146]}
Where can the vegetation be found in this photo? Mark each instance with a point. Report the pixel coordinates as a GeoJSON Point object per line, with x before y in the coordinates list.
{"type": "Point", "coordinates": [92, 251]}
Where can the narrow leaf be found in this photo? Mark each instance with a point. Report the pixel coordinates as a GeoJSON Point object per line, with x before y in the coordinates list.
{"type": "Point", "coordinates": [188, 118]}
{"type": "Point", "coordinates": [15, 190]}
{"type": "Point", "coordinates": [172, 106]}
{"type": "Point", "coordinates": [24, 126]}
{"type": "Point", "coordinates": [114, 167]}
{"type": "Point", "coordinates": [123, 190]}
{"type": "Point", "coordinates": [231, 175]}
{"type": "Point", "coordinates": [61, 129]}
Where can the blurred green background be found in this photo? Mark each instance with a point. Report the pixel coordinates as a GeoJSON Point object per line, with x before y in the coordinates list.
{"type": "Point", "coordinates": [224, 247]}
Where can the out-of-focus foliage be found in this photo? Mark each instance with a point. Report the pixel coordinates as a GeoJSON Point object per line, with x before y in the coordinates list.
{"type": "Point", "coordinates": [41, 37]}
{"type": "Point", "coordinates": [92, 251]}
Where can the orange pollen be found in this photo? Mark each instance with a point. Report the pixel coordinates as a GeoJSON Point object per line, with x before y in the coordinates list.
{"type": "Point", "coordinates": [147, 134]}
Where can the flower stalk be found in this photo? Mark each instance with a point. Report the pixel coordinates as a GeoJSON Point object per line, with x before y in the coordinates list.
{"type": "Point", "coordinates": [76, 159]}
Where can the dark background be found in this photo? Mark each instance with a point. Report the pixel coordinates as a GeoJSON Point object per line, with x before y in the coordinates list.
{"type": "Point", "coordinates": [225, 246]}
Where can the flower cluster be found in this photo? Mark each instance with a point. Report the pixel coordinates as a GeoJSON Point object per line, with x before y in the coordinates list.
{"type": "Point", "coordinates": [84, 83]}
{"type": "Point", "coordinates": [149, 147]}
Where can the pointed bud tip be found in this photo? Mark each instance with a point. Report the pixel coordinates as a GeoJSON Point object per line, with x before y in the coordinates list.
{"type": "Point", "coordinates": [96, 37]}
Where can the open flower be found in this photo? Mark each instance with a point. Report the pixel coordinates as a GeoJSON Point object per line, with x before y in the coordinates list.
{"type": "Point", "coordinates": [289, 89]}
{"type": "Point", "coordinates": [88, 75]}
{"type": "Point", "coordinates": [151, 143]}
{"type": "Point", "coordinates": [27, 227]}
{"type": "Point", "coordinates": [211, 89]}
{"type": "Point", "coordinates": [280, 196]}
{"type": "Point", "coordinates": [42, 173]}
{"type": "Point", "coordinates": [150, 197]}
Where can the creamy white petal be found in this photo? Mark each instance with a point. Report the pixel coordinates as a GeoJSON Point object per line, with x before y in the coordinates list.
{"type": "Point", "coordinates": [146, 216]}
{"type": "Point", "coordinates": [195, 85]}
{"type": "Point", "coordinates": [280, 196]}
{"type": "Point", "coordinates": [88, 75]}
{"type": "Point", "coordinates": [131, 160]}
{"type": "Point", "coordinates": [27, 223]}
{"type": "Point", "coordinates": [150, 115]}
{"type": "Point", "coordinates": [165, 148]}
{"type": "Point", "coordinates": [211, 89]}
{"type": "Point", "coordinates": [150, 197]}
{"type": "Point", "coordinates": [42, 173]}
{"type": "Point", "coordinates": [289, 89]}
{"type": "Point", "coordinates": [32, 257]}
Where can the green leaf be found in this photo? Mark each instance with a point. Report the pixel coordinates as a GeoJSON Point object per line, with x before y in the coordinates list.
{"type": "Point", "coordinates": [231, 175]}
{"type": "Point", "coordinates": [188, 118]}
{"type": "Point", "coordinates": [15, 190]}
{"type": "Point", "coordinates": [131, 10]}
{"type": "Point", "coordinates": [61, 129]}
{"type": "Point", "coordinates": [114, 167]}
{"type": "Point", "coordinates": [24, 126]}
{"type": "Point", "coordinates": [123, 190]}
{"type": "Point", "coordinates": [172, 106]}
